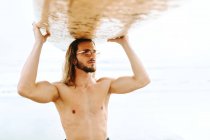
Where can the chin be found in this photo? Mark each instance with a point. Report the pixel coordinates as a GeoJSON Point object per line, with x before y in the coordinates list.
{"type": "Point", "coordinates": [93, 70]}
{"type": "Point", "coordinates": [90, 69]}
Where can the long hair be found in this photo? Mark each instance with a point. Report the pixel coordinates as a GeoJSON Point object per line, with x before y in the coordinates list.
{"type": "Point", "coordinates": [69, 74]}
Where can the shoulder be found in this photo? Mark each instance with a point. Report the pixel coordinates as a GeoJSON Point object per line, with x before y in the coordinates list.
{"type": "Point", "coordinates": [60, 85]}
{"type": "Point", "coordinates": [105, 79]}
{"type": "Point", "coordinates": [63, 89]}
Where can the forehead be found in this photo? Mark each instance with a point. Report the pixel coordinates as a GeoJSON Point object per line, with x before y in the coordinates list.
{"type": "Point", "coordinates": [86, 45]}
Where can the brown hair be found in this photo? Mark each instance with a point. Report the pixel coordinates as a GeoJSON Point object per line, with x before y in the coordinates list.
{"type": "Point", "coordinates": [69, 75]}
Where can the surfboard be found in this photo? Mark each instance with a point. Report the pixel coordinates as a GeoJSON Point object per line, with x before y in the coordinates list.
{"type": "Point", "coordinates": [95, 19]}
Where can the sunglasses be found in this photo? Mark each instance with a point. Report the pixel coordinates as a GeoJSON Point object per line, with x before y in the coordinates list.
{"type": "Point", "coordinates": [88, 52]}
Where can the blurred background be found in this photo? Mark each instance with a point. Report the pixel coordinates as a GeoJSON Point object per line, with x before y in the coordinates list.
{"type": "Point", "coordinates": [174, 49]}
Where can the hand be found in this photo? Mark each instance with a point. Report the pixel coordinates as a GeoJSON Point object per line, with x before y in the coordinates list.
{"type": "Point", "coordinates": [39, 38]}
{"type": "Point", "coordinates": [120, 40]}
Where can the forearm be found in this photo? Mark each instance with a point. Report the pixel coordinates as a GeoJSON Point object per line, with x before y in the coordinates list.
{"type": "Point", "coordinates": [138, 69]}
{"type": "Point", "coordinates": [29, 71]}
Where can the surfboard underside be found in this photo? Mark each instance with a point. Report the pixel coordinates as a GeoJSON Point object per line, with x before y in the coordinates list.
{"type": "Point", "coordinates": [95, 19]}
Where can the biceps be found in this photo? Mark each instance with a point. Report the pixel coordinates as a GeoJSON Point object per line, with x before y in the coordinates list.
{"type": "Point", "coordinates": [44, 92]}
{"type": "Point", "coordinates": [124, 85]}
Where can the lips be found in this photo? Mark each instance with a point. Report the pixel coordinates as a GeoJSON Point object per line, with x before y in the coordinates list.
{"type": "Point", "coordinates": [92, 61]}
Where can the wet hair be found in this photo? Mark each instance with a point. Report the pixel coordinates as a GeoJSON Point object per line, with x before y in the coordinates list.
{"type": "Point", "coordinates": [69, 74]}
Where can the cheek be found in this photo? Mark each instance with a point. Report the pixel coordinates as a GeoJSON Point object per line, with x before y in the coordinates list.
{"type": "Point", "coordinates": [81, 60]}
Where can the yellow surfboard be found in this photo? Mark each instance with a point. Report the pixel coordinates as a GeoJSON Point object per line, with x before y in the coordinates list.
{"type": "Point", "coordinates": [96, 19]}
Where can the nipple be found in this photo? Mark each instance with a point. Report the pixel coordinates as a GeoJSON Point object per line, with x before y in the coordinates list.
{"type": "Point", "coordinates": [73, 111]}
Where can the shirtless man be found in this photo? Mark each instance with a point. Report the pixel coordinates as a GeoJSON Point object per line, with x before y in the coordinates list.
{"type": "Point", "coordinates": [80, 99]}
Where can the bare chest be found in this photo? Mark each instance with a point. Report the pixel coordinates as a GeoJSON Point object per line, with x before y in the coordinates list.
{"type": "Point", "coordinates": [84, 101]}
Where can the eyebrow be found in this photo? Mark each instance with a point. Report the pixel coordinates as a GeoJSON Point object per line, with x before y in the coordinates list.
{"type": "Point", "coordinates": [88, 50]}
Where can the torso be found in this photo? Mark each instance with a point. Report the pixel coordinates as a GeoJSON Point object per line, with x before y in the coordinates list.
{"type": "Point", "coordinates": [83, 111]}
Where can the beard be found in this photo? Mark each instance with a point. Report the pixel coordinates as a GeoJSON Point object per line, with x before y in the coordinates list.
{"type": "Point", "coordinates": [86, 69]}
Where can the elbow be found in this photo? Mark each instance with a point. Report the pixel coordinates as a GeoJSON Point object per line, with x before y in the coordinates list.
{"type": "Point", "coordinates": [143, 82]}
{"type": "Point", "coordinates": [147, 81]}
{"type": "Point", "coordinates": [22, 90]}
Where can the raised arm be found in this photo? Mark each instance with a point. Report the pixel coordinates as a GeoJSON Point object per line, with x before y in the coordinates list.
{"type": "Point", "coordinates": [44, 91]}
{"type": "Point", "coordinates": [139, 78]}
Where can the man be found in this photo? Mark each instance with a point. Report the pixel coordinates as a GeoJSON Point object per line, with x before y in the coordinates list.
{"type": "Point", "coordinates": [80, 99]}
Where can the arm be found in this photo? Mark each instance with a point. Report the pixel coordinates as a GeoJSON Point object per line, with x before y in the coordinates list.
{"type": "Point", "coordinates": [129, 83]}
{"type": "Point", "coordinates": [42, 92]}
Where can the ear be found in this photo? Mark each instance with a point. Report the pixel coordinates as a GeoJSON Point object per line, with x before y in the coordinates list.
{"type": "Point", "coordinates": [75, 61]}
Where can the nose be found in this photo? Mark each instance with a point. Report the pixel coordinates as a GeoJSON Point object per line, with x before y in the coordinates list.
{"type": "Point", "coordinates": [92, 55]}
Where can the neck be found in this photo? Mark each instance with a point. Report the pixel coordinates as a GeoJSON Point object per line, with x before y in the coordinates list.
{"type": "Point", "coordinates": [84, 79]}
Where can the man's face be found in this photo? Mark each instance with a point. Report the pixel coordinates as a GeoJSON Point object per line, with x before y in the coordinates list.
{"type": "Point", "coordinates": [86, 57]}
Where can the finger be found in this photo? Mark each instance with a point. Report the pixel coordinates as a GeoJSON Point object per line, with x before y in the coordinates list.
{"type": "Point", "coordinates": [34, 24]}
{"type": "Point", "coordinates": [120, 37]}
{"type": "Point", "coordinates": [48, 34]}
{"type": "Point", "coordinates": [110, 40]}
{"type": "Point", "coordinates": [35, 27]}
{"type": "Point", "coordinates": [114, 39]}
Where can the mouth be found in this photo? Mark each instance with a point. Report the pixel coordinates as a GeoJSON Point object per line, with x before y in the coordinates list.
{"type": "Point", "coordinates": [92, 61]}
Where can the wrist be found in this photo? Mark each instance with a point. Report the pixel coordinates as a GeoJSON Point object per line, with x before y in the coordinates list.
{"type": "Point", "coordinates": [38, 43]}
{"type": "Point", "coordinates": [125, 44]}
